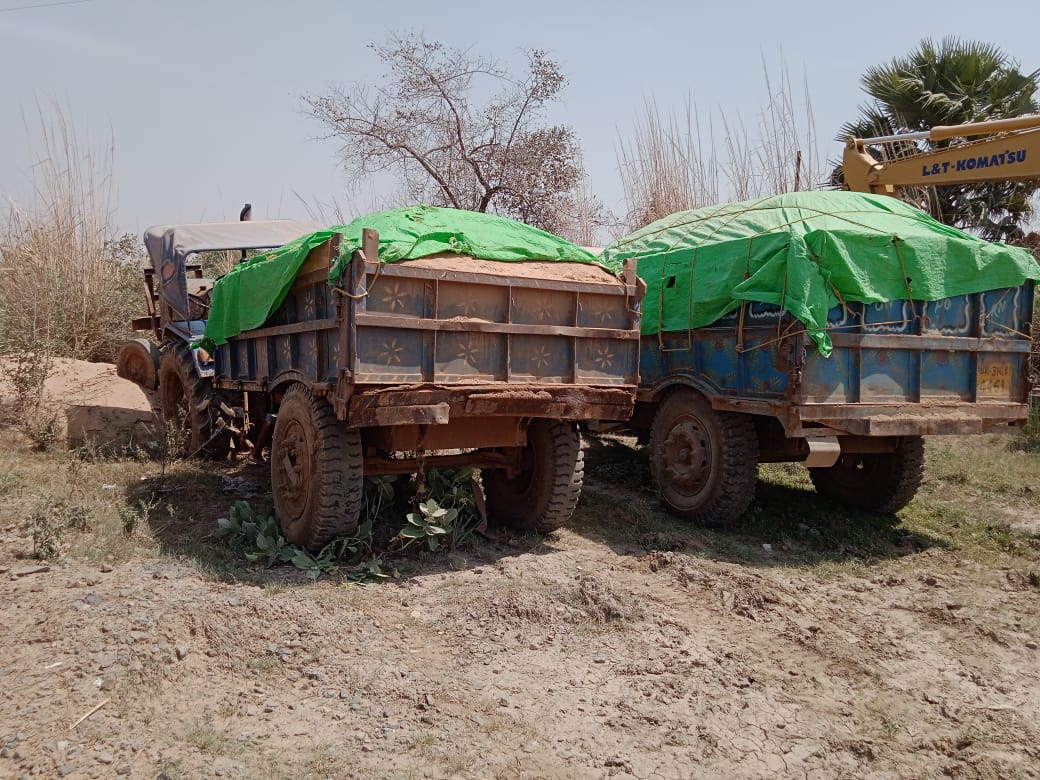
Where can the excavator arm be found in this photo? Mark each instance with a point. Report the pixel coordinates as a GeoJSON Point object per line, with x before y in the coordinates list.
{"type": "Point", "coordinates": [1014, 155]}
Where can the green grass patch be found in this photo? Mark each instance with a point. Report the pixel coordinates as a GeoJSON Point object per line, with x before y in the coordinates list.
{"type": "Point", "coordinates": [974, 488]}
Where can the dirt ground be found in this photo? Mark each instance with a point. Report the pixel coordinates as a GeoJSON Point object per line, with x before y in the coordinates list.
{"type": "Point", "coordinates": [807, 643]}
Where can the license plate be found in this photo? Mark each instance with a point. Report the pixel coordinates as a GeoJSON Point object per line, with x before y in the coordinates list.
{"type": "Point", "coordinates": [994, 378]}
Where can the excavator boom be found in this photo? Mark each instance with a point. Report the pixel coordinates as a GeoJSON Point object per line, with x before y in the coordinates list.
{"type": "Point", "coordinates": [1012, 156]}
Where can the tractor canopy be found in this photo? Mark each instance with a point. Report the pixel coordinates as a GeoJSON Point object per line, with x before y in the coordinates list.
{"type": "Point", "coordinates": [169, 247]}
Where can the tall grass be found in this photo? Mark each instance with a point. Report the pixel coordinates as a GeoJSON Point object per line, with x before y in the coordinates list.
{"type": "Point", "coordinates": [68, 285]}
{"type": "Point", "coordinates": [677, 162]}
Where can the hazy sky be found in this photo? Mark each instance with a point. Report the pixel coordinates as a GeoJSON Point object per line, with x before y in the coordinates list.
{"type": "Point", "coordinates": [200, 100]}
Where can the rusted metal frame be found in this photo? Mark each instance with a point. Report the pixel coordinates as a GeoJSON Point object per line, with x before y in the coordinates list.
{"type": "Point", "coordinates": [921, 425]}
{"type": "Point", "coordinates": [748, 406]}
{"type": "Point", "coordinates": [953, 343]}
{"type": "Point", "coordinates": [811, 412]}
{"type": "Point", "coordinates": [321, 351]}
{"type": "Point", "coordinates": [431, 295]}
{"type": "Point", "coordinates": [473, 277]}
{"type": "Point", "coordinates": [977, 328]}
{"type": "Point", "coordinates": [460, 395]}
{"type": "Point", "coordinates": [557, 409]}
{"type": "Point", "coordinates": [795, 346]}
{"type": "Point", "coordinates": [432, 415]}
{"type": "Point", "coordinates": [573, 362]}
{"type": "Point", "coordinates": [510, 459]}
{"type": "Point", "coordinates": [463, 432]}
{"type": "Point", "coordinates": [426, 405]}
{"type": "Point", "coordinates": [399, 414]}
{"type": "Point", "coordinates": [482, 326]}
{"type": "Point", "coordinates": [907, 419]}
{"type": "Point", "coordinates": [318, 282]}
{"type": "Point", "coordinates": [153, 321]}
{"type": "Point", "coordinates": [509, 341]}
{"type": "Point", "coordinates": [346, 311]}
{"type": "Point", "coordinates": [632, 284]}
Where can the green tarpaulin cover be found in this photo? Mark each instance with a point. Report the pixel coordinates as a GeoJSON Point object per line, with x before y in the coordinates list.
{"type": "Point", "coordinates": [805, 252]}
{"type": "Point", "coordinates": [249, 294]}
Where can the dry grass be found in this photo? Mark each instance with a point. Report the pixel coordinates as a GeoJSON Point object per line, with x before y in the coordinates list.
{"type": "Point", "coordinates": [68, 285]}
{"type": "Point", "coordinates": [678, 162]}
{"type": "Point", "coordinates": [66, 506]}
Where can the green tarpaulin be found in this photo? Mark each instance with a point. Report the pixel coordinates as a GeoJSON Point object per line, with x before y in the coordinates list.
{"type": "Point", "coordinates": [805, 252]}
{"type": "Point", "coordinates": [249, 294]}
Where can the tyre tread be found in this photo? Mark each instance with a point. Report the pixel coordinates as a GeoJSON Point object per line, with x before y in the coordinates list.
{"type": "Point", "coordinates": [341, 484]}
{"type": "Point", "coordinates": [199, 396]}
{"type": "Point", "coordinates": [739, 460]}
{"type": "Point", "coordinates": [885, 491]}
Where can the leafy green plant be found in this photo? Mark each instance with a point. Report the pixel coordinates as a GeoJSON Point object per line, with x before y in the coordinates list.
{"type": "Point", "coordinates": [446, 517]}
{"type": "Point", "coordinates": [257, 537]}
{"type": "Point", "coordinates": [456, 489]}
{"type": "Point", "coordinates": [449, 513]}
{"type": "Point", "coordinates": [432, 522]}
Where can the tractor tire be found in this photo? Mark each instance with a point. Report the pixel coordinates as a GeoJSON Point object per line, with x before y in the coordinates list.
{"type": "Point", "coordinates": [138, 361]}
{"type": "Point", "coordinates": [705, 462]}
{"type": "Point", "coordinates": [189, 405]}
{"type": "Point", "coordinates": [317, 476]}
{"type": "Point", "coordinates": [875, 482]}
{"type": "Point", "coordinates": [542, 497]}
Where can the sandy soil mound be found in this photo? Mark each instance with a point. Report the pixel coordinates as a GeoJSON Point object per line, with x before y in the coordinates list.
{"type": "Point", "coordinates": [92, 403]}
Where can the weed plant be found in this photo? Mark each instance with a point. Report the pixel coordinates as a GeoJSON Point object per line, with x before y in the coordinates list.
{"type": "Point", "coordinates": [446, 515]}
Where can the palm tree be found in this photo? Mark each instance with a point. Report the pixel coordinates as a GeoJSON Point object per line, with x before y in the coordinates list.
{"type": "Point", "coordinates": [951, 83]}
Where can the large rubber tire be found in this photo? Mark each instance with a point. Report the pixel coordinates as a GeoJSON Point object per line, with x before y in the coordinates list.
{"type": "Point", "coordinates": [880, 482]}
{"type": "Point", "coordinates": [138, 361]}
{"type": "Point", "coordinates": [317, 477]}
{"type": "Point", "coordinates": [189, 404]}
{"type": "Point", "coordinates": [705, 462]}
{"type": "Point", "coordinates": [543, 495]}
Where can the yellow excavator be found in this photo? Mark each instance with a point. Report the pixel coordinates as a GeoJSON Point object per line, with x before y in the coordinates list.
{"type": "Point", "coordinates": [1012, 155]}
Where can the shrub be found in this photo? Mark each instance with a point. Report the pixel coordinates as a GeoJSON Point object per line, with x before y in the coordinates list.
{"type": "Point", "coordinates": [68, 284]}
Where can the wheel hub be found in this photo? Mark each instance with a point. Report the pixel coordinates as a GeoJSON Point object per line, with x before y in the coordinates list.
{"type": "Point", "coordinates": [294, 467]}
{"type": "Point", "coordinates": [687, 457]}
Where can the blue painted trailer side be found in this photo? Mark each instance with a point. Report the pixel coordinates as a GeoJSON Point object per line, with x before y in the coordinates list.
{"type": "Point", "coordinates": [968, 355]}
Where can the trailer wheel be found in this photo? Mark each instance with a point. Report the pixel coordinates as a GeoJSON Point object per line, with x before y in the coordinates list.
{"type": "Point", "coordinates": [543, 495]}
{"type": "Point", "coordinates": [705, 462]}
{"type": "Point", "coordinates": [316, 471]}
{"type": "Point", "coordinates": [189, 404]}
{"type": "Point", "coordinates": [876, 482]}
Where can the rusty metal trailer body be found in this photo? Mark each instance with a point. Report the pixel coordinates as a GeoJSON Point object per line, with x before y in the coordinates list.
{"type": "Point", "coordinates": [395, 368]}
{"type": "Point", "coordinates": [428, 343]}
{"type": "Point", "coordinates": [751, 387]}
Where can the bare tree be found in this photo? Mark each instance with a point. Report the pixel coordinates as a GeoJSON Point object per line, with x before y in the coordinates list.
{"type": "Point", "coordinates": [458, 130]}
